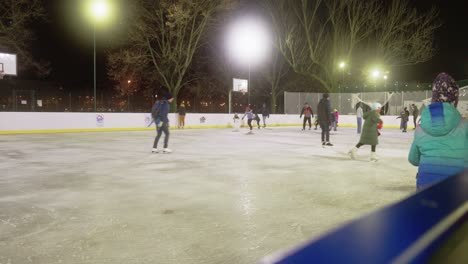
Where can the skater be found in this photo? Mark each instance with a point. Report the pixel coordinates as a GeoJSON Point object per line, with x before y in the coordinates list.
{"type": "Point", "coordinates": [404, 115]}
{"type": "Point", "coordinates": [236, 122]}
{"type": "Point", "coordinates": [159, 112]}
{"type": "Point", "coordinates": [257, 118]}
{"type": "Point", "coordinates": [250, 116]}
{"type": "Point", "coordinates": [415, 113]}
{"type": "Point", "coordinates": [265, 114]}
{"type": "Point", "coordinates": [316, 122]}
{"type": "Point", "coordinates": [335, 117]}
{"type": "Point", "coordinates": [308, 114]}
{"type": "Point", "coordinates": [324, 112]}
{"type": "Point", "coordinates": [440, 147]}
{"type": "Point", "coordinates": [370, 132]}
{"type": "Point", "coordinates": [182, 113]}
{"type": "Point", "coordinates": [359, 115]}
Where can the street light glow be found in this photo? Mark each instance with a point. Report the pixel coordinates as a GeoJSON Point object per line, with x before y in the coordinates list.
{"type": "Point", "coordinates": [99, 9]}
{"type": "Point", "coordinates": [375, 73]}
{"type": "Point", "coordinates": [248, 40]}
{"type": "Point", "coordinates": [342, 65]}
{"type": "Point", "coordinates": [385, 77]}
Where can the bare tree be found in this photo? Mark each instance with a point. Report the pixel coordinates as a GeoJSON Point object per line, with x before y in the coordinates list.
{"type": "Point", "coordinates": [16, 17]}
{"type": "Point", "coordinates": [170, 32]}
{"type": "Point", "coordinates": [314, 36]}
{"type": "Point", "coordinates": [273, 74]}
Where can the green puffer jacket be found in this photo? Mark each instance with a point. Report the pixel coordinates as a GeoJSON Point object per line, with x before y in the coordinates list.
{"type": "Point", "coordinates": [440, 146]}
{"type": "Point", "coordinates": [369, 130]}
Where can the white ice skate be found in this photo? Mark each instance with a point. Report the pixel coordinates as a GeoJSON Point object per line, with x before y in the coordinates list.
{"type": "Point", "coordinates": [352, 153]}
{"type": "Point", "coordinates": [155, 150]}
{"type": "Point", "coordinates": [373, 157]}
{"type": "Point", "coordinates": [166, 150]}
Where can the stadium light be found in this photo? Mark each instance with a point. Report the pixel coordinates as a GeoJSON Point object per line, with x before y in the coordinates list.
{"type": "Point", "coordinates": [375, 74]}
{"type": "Point", "coordinates": [342, 65]}
{"type": "Point", "coordinates": [249, 42]}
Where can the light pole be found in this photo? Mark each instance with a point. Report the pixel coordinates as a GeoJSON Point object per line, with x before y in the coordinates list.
{"type": "Point", "coordinates": [342, 66]}
{"type": "Point", "coordinates": [99, 11]}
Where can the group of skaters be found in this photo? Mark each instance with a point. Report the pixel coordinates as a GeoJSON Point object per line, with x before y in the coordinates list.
{"type": "Point", "coordinates": [252, 116]}
{"type": "Point", "coordinates": [439, 149]}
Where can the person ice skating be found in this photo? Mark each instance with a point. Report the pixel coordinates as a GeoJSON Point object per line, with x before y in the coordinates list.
{"type": "Point", "coordinates": [182, 112]}
{"type": "Point", "coordinates": [265, 114]}
{"type": "Point", "coordinates": [316, 122]}
{"type": "Point", "coordinates": [257, 118]}
{"type": "Point", "coordinates": [160, 112]}
{"type": "Point", "coordinates": [308, 114]}
{"type": "Point", "coordinates": [404, 115]}
{"type": "Point", "coordinates": [440, 146]}
{"type": "Point", "coordinates": [250, 116]}
{"type": "Point", "coordinates": [359, 115]}
{"type": "Point", "coordinates": [324, 112]}
{"type": "Point", "coordinates": [415, 112]}
{"type": "Point", "coordinates": [370, 132]}
{"type": "Point", "coordinates": [335, 117]}
{"type": "Point", "coordinates": [236, 122]}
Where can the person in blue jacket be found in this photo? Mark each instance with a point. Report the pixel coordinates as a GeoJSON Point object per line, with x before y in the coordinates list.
{"type": "Point", "coordinates": [162, 122]}
{"type": "Point", "coordinates": [440, 146]}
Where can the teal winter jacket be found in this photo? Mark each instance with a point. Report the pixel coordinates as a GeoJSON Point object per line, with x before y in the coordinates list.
{"type": "Point", "coordinates": [440, 146]}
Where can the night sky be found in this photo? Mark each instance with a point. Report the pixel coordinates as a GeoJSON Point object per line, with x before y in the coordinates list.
{"type": "Point", "coordinates": [66, 40]}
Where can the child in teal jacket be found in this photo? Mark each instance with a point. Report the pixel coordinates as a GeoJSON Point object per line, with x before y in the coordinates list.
{"type": "Point", "coordinates": [440, 146]}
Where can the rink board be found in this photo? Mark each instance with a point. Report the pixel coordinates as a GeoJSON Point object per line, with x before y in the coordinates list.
{"type": "Point", "coordinates": [44, 122]}
{"type": "Point", "coordinates": [415, 230]}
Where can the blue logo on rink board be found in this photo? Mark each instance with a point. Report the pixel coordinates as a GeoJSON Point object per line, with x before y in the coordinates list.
{"type": "Point", "coordinates": [100, 120]}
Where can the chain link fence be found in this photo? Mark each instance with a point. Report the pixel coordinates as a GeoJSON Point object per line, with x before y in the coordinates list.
{"type": "Point", "coordinates": [346, 103]}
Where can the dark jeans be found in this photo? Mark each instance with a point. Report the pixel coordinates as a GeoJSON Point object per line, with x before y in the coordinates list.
{"type": "Point", "coordinates": [373, 147]}
{"type": "Point", "coordinates": [164, 127]}
{"type": "Point", "coordinates": [325, 131]}
{"type": "Point", "coordinates": [249, 122]}
{"type": "Point", "coordinates": [359, 125]}
{"type": "Point", "coordinates": [414, 120]}
{"type": "Point", "coordinates": [307, 119]}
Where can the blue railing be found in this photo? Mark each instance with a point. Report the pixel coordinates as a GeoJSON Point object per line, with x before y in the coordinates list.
{"type": "Point", "coordinates": [409, 231]}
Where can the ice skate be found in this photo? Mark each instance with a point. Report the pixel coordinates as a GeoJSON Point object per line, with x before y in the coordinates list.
{"type": "Point", "coordinates": [374, 157]}
{"type": "Point", "coordinates": [249, 133]}
{"type": "Point", "coordinates": [155, 150]}
{"type": "Point", "coordinates": [166, 150]}
{"type": "Point", "coordinates": [328, 144]}
{"type": "Point", "coordinates": [352, 153]}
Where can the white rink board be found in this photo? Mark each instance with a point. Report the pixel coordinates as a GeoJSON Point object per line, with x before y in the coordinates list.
{"type": "Point", "coordinates": [19, 121]}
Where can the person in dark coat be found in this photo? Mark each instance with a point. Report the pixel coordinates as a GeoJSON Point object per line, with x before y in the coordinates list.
{"type": "Point", "coordinates": [162, 122]}
{"type": "Point", "coordinates": [369, 135]}
{"type": "Point", "coordinates": [324, 113]}
{"type": "Point", "coordinates": [265, 114]}
{"type": "Point", "coordinates": [404, 115]}
{"type": "Point", "coordinates": [415, 111]}
{"type": "Point", "coordinates": [308, 114]}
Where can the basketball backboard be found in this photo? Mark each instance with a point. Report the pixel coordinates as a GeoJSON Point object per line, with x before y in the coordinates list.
{"type": "Point", "coordinates": [240, 85]}
{"type": "Point", "coordinates": [8, 64]}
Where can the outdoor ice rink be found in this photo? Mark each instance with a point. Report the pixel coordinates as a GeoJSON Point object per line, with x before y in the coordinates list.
{"type": "Point", "coordinates": [220, 197]}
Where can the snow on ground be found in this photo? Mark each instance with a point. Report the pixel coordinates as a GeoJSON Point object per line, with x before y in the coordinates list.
{"type": "Point", "coordinates": [221, 197]}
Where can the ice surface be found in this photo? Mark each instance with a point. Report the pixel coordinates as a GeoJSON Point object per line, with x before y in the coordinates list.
{"type": "Point", "coordinates": [221, 197]}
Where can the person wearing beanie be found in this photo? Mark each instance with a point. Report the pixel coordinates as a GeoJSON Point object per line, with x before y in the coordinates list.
{"type": "Point", "coordinates": [440, 145]}
{"type": "Point", "coordinates": [324, 113]}
{"type": "Point", "coordinates": [369, 135]}
{"type": "Point", "coordinates": [181, 111]}
{"type": "Point", "coordinates": [308, 114]}
{"type": "Point", "coordinates": [404, 115]}
{"type": "Point", "coordinates": [250, 116]}
{"type": "Point", "coordinates": [160, 113]}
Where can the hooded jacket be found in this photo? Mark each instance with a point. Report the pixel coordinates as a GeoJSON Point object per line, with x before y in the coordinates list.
{"type": "Point", "coordinates": [440, 146]}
